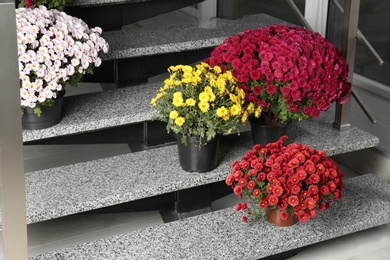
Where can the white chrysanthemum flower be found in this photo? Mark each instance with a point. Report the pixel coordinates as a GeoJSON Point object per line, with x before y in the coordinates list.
{"type": "Point", "coordinates": [62, 73]}
{"type": "Point", "coordinates": [43, 50]}
{"type": "Point", "coordinates": [24, 103]}
{"type": "Point", "coordinates": [85, 63]}
{"type": "Point", "coordinates": [24, 93]}
{"type": "Point", "coordinates": [35, 66]}
{"type": "Point", "coordinates": [70, 70]}
{"type": "Point", "coordinates": [48, 93]}
{"type": "Point", "coordinates": [40, 73]}
{"type": "Point", "coordinates": [41, 98]}
{"type": "Point", "coordinates": [98, 62]}
{"type": "Point", "coordinates": [75, 62]}
{"type": "Point", "coordinates": [21, 48]}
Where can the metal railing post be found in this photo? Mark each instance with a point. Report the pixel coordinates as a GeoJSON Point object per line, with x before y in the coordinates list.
{"type": "Point", "coordinates": [348, 47]}
{"type": "Point", "coordinates": [12, 180]}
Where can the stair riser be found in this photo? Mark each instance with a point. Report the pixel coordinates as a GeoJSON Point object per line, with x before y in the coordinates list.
{"type": "Point", "coordinates": [113, 17]}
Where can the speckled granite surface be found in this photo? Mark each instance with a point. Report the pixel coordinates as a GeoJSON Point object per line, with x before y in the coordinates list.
{"type": "Point", "coordinates": [222, 235]}
{"type": "Point", "coordinates": [100, 2]}
{"type": "Point", "coordinates": [100, 110]}
{"type": "Point", "coordinates": [89, 185]}
{"type": "Point", "coordinates": [177, 38]}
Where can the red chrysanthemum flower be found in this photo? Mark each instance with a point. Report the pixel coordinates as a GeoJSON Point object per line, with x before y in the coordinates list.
{"type": "Point", "coordinates": [263, 204]}
{"type": "Point", "coordinates": [324, 190]}
{"type": "Point", "coordinates": [313, 189]}
{"type": "Point", "coordinates": [256, 192]}
{"type": "Point", "coordinates": [244, 219]}
{"type": "Point", "coordinates": [273, 200]}
{"type": "Point", "coordinates": [310, 203]}
{"type": "Point", "coordinates": [293, 200]}
{"type": "Point", "coordinates": [303, 217]}
{"type": "Point", "coordinates": [251, 184]}
{"type": "Point", "coordinates": [229, 180]}
{"type": "Point", "coordinates": [242, 182]}
{"type": "Point", "coordinates": [278, 190]}
{"type": "Point", "coordinates": [283, 215]}
{"type": "Point", "coordinates": [238, 207]}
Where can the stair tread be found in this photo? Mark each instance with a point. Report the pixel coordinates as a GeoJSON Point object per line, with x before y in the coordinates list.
{"type": "Point", "coordinates": [101, 2]}
{"type": "Point", "coordinates": [101, 110]}
{"type": "Point", "coordinates": [222, 234]}
{"type": "Point", "coordinates": [128, 43]}
{"type": "Point", "coordinates": [76, 188]}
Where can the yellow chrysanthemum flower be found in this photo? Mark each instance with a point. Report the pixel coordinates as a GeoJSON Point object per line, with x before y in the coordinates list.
{"type": "Point", "coordinates": [173, 114]}
{"type": "Point", "coordinates": [244, 117]}
{"type": "Point", "coordinates": [258, 111]}
{"type": "Point", "coordinates": [217, 69]}
{"type": "Point", "coordinates": [233, 98]}
{"type": "Point", "coordinates": [235, 110]}
{"type": "Point", "coordinates": [160, 95]}
{"type": "Point", "coordinates": [251, 108]}
{"type": "Point", "coordinates": [204, 97]}
{"type": "Point", "coordinates": [153, 102]}
{"type": "Point", "coordinates": [222, 112]}
{"type": "Point", "coordinates": [187, 69]}
{"type": "Point", "coordinates": [177, 101]}
{"type": "Point", "coordinates": [180, 121]}
{"type": "Point", "coordinates": [241, 92]}
{"type": "Point", "coordinates": [178, 94]}
{"type": "Point", "coordinates": [204, 106]}
{"type": "Point", "coordinates": [190, 102]}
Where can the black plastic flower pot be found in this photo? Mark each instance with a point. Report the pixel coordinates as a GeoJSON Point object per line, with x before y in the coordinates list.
{"type": "Point", "coordinates": [195, 158]}
{"type": "Point", "coordinates": [264, 134]}
{"type": "Point", "coordinates": [50, 116]}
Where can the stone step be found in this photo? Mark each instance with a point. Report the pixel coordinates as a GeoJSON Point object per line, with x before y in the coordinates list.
{"type": "Point", "coordinates": [222, 234]}
{"type": "Point", "coordinates": [85, 3]}
{"type": "Point", "coordinates": [85, 186]}
{"type": "Point", "coordinates": [138, 53]}
{"type": "Point", "coordinates": [140, 42]}
{"type": "Point", "coordinates": [91, 112]}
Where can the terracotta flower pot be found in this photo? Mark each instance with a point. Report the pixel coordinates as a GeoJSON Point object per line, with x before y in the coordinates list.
{"type": "Point", "coordinates": [273, 216]}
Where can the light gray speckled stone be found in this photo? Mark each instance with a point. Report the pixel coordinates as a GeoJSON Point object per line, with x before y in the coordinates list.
{"type": "Point", "coordinates": [177, 38]}
{"type": "Point", "coordinates": [100, 2]}
{"type": "Point", "coordinates": [100, 110]}
{"type": "Point", "coordinates": [222, 235]}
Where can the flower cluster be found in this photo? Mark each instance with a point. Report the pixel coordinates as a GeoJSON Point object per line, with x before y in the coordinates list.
{"type": "Point", "coordinates": [200, 101]}
{"type": "Point", "coordinates": [289, 71]}
{"type": "Point", "coordinates": [293, 178]}
{"type": "Point", "coordinates": [50, 4]}
{"type": "Point", "coordinates": [53, 48]}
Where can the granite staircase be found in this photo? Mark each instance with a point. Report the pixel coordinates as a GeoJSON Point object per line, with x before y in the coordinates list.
{"type": "Point", "coordinates": [150, 177]}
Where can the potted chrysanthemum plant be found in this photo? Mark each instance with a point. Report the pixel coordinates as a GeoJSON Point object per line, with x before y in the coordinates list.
{"type": "Point", "coordinates": [289, 71]}
{"type": "Point", "coordinates": [199, 104]}
{"type": "Point", "coordinates": [285, 183]}
{"type": "Point", "coordinates": [53, 49]}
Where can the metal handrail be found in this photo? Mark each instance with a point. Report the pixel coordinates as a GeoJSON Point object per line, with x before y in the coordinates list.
{"type": "Point", "coordinates": [359, 36]}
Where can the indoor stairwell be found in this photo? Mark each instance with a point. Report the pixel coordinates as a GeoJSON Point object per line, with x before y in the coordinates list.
{"type": "Point", "coordinates": [150, 177]}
